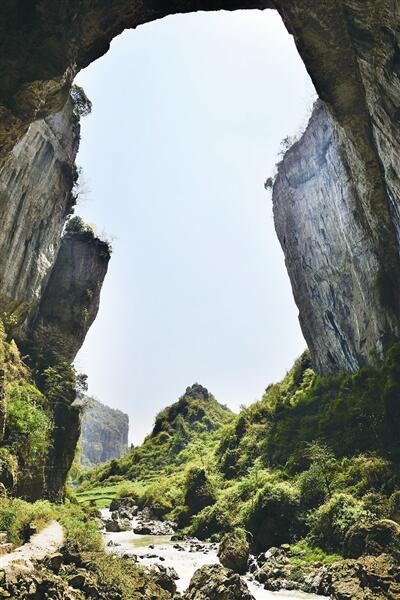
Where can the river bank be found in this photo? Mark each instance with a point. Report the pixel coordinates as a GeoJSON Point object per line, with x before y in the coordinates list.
{"type": "Point", "coordinates": [182, 558]}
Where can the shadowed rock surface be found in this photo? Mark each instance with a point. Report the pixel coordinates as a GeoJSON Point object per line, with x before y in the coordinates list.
{"type": "Point", "coordinates": [213, 582]}
{"type": "Point", "coordinates": [352, 52]}
{"type": "Point", "coordinates": [333, 264]}
{"type": "Point", "coordinates": [71, 299]}
{"type": "Point", "coordinates": [36, 181]}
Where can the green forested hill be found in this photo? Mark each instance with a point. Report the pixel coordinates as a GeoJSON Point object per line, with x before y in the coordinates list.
{"type": "Point", "coordinates": [186, 430]}
{"type": "Point", "coordinates": [313, 460]}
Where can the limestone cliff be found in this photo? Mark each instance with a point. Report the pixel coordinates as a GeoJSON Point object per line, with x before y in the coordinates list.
{"type": "Point", "coordinates": [352, 52]}
{"type": "Point", "coordinates": [49, 285]}
{"type": "Point", "coordinates": [104, 432]}
{"type": "Point", "coordinates": [70, 300]}
{"type": "Point", "coordinates": [332, 262]}
{"type": "Point", "coordinates": [36, 181]}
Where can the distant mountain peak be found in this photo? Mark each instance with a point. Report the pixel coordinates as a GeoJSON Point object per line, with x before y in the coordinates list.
{"type": "Point", "coordinates": [197, 391]}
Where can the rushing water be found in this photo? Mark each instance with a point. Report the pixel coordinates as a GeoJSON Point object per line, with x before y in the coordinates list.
{"type": "Point", "coordinates": [185, 559]}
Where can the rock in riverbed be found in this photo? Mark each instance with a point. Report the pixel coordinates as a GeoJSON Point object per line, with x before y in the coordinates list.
{"type": "Point", "coordinates": [214, 582]}
{"type": "Point", "coordinates": [234, 551]}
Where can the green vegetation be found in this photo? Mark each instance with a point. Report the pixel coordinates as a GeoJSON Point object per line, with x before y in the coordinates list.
{"type": "Point", "coordinates": [315, 457]}
{"type": "Point", "coordinates": [184, 432]}
{"type": "Point", "coordinates": [25, 415]}
{"type": "Point", "coordinates": [19, 518]}
{"type": "Point", "coordinates": [76, 225]}
{"type": "Point", "coordinates": [82, 104]}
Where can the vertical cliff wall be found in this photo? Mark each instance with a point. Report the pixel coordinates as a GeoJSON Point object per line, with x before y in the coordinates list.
{"type": "Point", "coordinates": [36, 181]}
{"type": "Point", "coordinates": [104, 433]}
{"type": "Point", "coordinates": [333, 264]}
{"type": "Point", "coordinates": [49, 285]}
{"type": "Point", "coordinates": [70, 301]}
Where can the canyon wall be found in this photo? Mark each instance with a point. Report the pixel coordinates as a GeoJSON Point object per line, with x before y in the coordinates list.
{"type": "Point", "coordinates": [104, 433]}
{"type": "Point", "coordinates": [50, 283]}
{"type": "Point", "coordinates": [351, 50]}
{"type": "Point", "coordinates": [70, 300]}
{"type": "Point", "coordinates": [36, 181]}
{"type": "Point", "coordinates": [332, 263]}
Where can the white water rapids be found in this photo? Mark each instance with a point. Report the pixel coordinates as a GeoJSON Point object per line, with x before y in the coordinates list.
{"type": "Point", "coordinates": [185, 559]}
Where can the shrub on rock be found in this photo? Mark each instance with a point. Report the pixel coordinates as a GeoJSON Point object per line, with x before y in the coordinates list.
{"type": "Point", "coordinates": [273, 518]}
{"type": "Point", "coordinates": [330, 523]}
{"type": "Point", "coordinates": [210, 521]}
{"type": "Point", "coordinates": [199, 492]}
{"type": "Point", "coordinates": [382, 537]}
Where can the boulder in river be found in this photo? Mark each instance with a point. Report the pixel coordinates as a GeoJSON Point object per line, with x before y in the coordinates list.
{"type": "Point", "coordinates": [234, 551]}
{"type": "Point", "coordinates": [154, 528]}
{"type": "Point", "coordinates": [214, 582]}
{"type": "Point", "coordinates": [117, 525]}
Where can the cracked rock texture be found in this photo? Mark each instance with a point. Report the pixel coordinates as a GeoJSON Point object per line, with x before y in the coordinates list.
{"type": "Point", "coordinates": [351, 50]}
{"type": "Point", "coordinates": [71, 299]}
{"type": "Point", "coordinates": [36, 180]}
{"type": "Point", "coordinates": [333, 265]}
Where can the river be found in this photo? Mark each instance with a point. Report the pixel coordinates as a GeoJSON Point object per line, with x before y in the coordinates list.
{"type": "Point", "coordinates": [185, 558]}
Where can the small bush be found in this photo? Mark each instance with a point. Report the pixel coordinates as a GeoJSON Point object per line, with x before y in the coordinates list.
{"type": "Point", "coordinates": [211, 521]}
{"type": "Point", "coordinates": [199, 492]}
{"type": "Point", "coordinates": [82, 104]}
{"type": "Point", "coordinates": [82, 532]}
{"type": "Point", "coordinates": [273, 517]}
{"type": "Point", "coordinates": [18, 516]}
{"type": "Point", "coordinates": [330, 522]}
{"type": "Point", "coordinates": [76, 225]}
{"type": "Point", "coordinates": [28, 425]}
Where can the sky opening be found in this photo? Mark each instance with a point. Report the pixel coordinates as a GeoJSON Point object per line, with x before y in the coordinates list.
{"type": "Point", "coordinates": [188, 116]}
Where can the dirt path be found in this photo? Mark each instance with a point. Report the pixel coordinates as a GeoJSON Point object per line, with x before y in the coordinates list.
{"type": "Point", "coordinates": [47, 541]}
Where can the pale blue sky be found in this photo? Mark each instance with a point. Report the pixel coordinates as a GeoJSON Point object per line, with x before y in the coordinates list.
{"type": "Point", "coordinates": [188, 115]}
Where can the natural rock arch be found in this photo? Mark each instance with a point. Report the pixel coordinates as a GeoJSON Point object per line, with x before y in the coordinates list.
{"type": "Point", "coordinates": [351, 51]}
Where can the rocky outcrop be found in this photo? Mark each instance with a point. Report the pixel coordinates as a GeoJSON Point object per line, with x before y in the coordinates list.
{"type": "Point", "coordinates": [333, 265]}
{"type": "Point", "coordinates": [104, 432]}
{"type": "Point", "coordinates": [213, 582]}
{"type": "Point", "coordinates": [234, 551]}
{"type": "Point", "coordinates": [70, 300]}
{"type": "Point", "coordinates": [64, 439]}
{"type": "Point", "coordinates": [369, 577]}
{"type": "Point", "coordinates": [36, 181]}
{"type": "Point", "coordinates": [382, 537]}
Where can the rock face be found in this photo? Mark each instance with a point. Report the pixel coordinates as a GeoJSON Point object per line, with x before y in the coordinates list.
{"type": "Point", "coordinates": [368, 578]}
{"type": "Point", "coordinates": [36, 181]}
{"type": "Point", "coordinates": [70, 300]}
{"type": "Point", "coordinates": [104, 433]}
{"type": "Point", "coordinates": [50, 285]}
{"type": "Point", "coordinates": [333, 264]}
{"type": "Point", "coordinates": [352, 52]}
{"type": "Point", "coordinates": [213, 582]}
{"type": "Point", "coordinates": [382, 537]}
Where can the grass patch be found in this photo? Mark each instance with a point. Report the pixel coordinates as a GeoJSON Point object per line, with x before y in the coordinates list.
{"type": "Point", "coordinates": [305, 555]}
{"type": "Point", "coordinates": [102, 495]}
{"type": "Point", "coordinates": [17, 518]}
